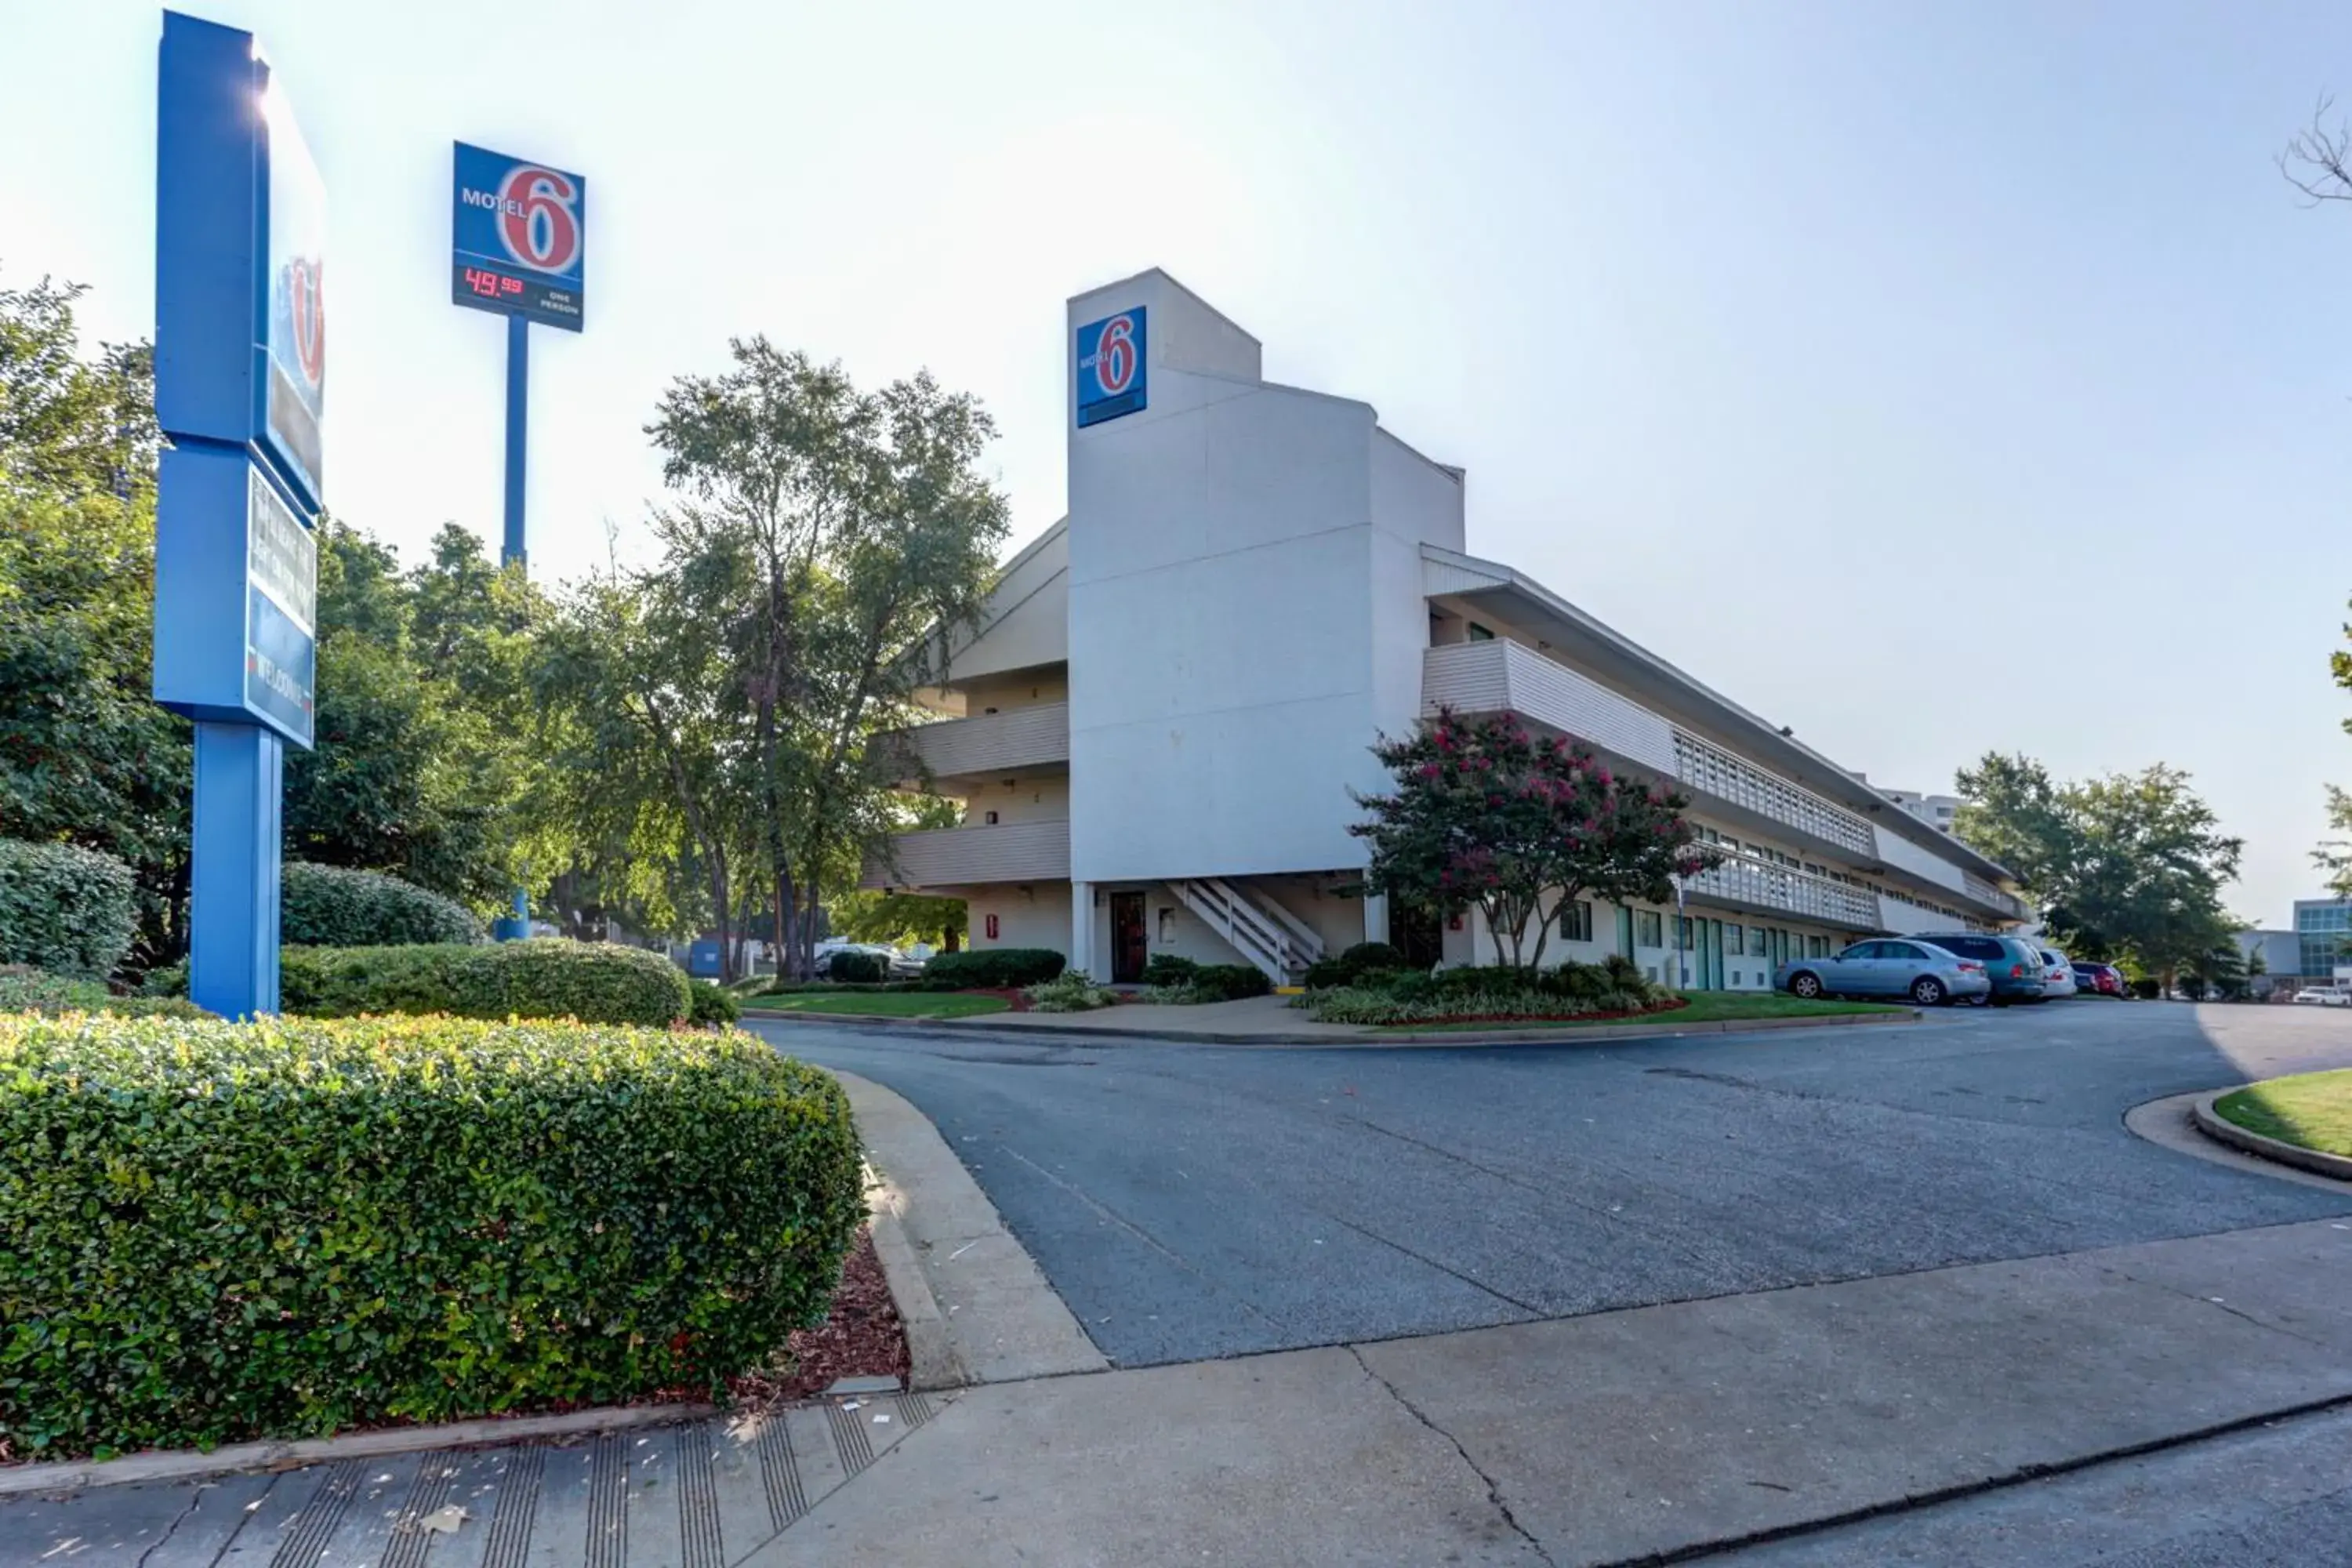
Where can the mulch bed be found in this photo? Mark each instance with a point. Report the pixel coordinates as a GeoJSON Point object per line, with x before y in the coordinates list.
{"type": "Point", "coordinates": [862, 1337]}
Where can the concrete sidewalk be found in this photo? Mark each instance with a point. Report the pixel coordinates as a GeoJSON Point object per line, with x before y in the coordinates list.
{"type": "Point", "coordinates": [1609, 1438]}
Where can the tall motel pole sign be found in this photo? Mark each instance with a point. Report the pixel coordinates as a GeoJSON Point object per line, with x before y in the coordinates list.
{"type": "Point", "coordinates": [520, 235]}
{"type": "Point", "coordinates": [241, 379]}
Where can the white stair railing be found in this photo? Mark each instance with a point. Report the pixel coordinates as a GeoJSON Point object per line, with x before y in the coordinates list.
{"type": "Point", "coordinates": [1268, 935]}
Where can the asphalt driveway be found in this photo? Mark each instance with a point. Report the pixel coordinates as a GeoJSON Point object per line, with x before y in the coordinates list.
{"type": "Point", "coordinates": [1194, 1202]}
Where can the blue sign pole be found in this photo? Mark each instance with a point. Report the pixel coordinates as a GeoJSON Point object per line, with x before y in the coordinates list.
{"type": "Point", "coordinates": [516, 553]}
{"type": "Point", "coordinates": [240, 378]}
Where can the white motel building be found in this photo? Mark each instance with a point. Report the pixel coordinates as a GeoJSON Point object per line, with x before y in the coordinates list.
{"type": "Point", "coordinates": [1156, 727]}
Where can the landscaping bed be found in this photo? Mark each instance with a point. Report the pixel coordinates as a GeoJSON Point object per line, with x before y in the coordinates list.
{"type": "Point", "coordinates": [871, 1002]}
{"type": "Point", "coordinates": [2310, 1111]}
{"type": "Point", "coordinates": [212, 1232]}
{"type": "Point", "coordinates": [1692, 1008]}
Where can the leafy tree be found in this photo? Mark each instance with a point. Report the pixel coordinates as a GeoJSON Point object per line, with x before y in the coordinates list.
{"type": "Point", "coordinates": [1484, 815]}
{"type": "Point", "coordinates": [2219, 971]}
{"type": "Point", "coordinates": [2333, 854]}
{"type": "Point", "coordinates": [648, 769]}
{"type": "Point", "coordinates": [895, 918]}
{"type": "Point", "coordinates": [825, 534]}
{"type": "Point", "coordinates": [2124, 864]}
{"type": "Point", "coordinates": [85, 756]}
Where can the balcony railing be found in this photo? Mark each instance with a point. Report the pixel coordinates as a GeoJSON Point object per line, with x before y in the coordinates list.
{"type": "Point", "coordinates": [1764, 885]}
{"type": "Point", "coordinates": [1487, 676]}
{"type": "Point", "coordinates": [1706, 766]}
{"type": "Point", "coordinates": [989, 743]}
{"type": "Point", "coordinates": [957, 857]}
{"type": "Point", "coordinates": [1984, 892]}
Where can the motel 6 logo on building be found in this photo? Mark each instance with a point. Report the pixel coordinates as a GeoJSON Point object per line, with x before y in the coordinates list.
{"type": "Point", "coordinates": [1111, 367]}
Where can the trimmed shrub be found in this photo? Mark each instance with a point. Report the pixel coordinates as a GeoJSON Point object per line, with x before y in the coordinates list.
{"type": "Point", "coordinates": [993, 968]}
{"type": "Point", "coordinates": [212, 1232]}
{"type": "Point", "coordinates": [851, 967]}
{"type": "Point", "coordinates": [1366, 955]}
{"type": "Point", "coordinates": [1327, 974]}
{"type": "Point", "coordinates": [711, 1004]}
{"type": "Point", "coordinates": [331, 906]}
{"type": "Point", "coordinates": [1231, 982]}
{"type": "Point", "coordinates": [593, 982]}
{"type": "Point", "coordinates": [1168, 969]}
{"type": "Point", "coordinates": [64, 909]}
{"type": "Point", "coordinates": [1071, 991]}
{"type": "Point", "coordinates": [29, 990]}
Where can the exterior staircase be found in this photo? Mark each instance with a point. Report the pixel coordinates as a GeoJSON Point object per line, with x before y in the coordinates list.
{"type": "Point", "coordinates": [1262, 931]}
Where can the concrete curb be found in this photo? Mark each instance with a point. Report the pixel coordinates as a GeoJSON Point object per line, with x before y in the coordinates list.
{"type": "Point", "coordinates": [2223, 1130]}
{"type": "Point", "coordinates": [977, 1308]}
{"type": "Point", "coordinates": [188, 1464]}
{"type": "Point", "coordinates": [933, 1363]}
{"type": "Point", "coordinates": [998, 1023]}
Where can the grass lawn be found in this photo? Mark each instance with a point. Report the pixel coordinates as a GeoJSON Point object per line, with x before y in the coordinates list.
{"type": "Point", "coordinates": [2313, 1108]}
{"type": "Point", "coordinates": [881, 1004]}
{"type": "Point", "coordinates": [1704, 1007]}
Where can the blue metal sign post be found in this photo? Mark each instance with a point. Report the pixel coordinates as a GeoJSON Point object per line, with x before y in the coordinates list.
{"type": "Point", "coordinates": [240, 380]}
{"type": "Point", "coordinates": [519, 243]}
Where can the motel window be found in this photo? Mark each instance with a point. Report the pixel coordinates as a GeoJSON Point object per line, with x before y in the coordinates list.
{"type": "Point", "coordinates": [1649, 929]}
{"type": "Point", "coordinates": [1735, 938]}
{"type": "Point", "coordinates": [1480, 633]}
{"type": "Point", "coordinates": [1817, 947]}
{"type": "Point", "coordinates": [1576, 921]}
{"type": "Point", "coordinates": [1683, 943]}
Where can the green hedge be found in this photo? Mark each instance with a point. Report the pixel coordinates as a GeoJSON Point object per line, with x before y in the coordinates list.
{"type": "Point", "coordinates": [709, 1003]}
{"type": "Point", "coordinates": [993, 968]}
{"type": "Point", "coordinates": [64, 909]}
{"type": "Point", "coordinates": [1169, 969]}
{"type": "Point", "coordinates": [1230, 982]}
{"type": "Point", "coordinates": [330, 906]}
{"type": "Point", "coordinates": [28, 990]}
{"type": "Point", "coordinates": [596, 982]}
{"type": "Point", "coordinates": [212, 1232]}
{"type": "Point", "coordinates": [850, 966]}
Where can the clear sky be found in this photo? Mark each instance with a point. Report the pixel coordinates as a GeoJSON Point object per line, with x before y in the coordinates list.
{"type": "Point", "coordinates": [1931, 378]}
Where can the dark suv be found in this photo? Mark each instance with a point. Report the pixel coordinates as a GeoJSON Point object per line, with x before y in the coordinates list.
{"type": "Point", "coordinates": [2015, 967]}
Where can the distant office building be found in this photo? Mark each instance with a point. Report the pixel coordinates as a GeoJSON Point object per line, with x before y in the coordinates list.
{"type": "Point", "coordinates": [2280, 951]}
{"type": "Point", "coordinates": [2323, 930]}
{"type": "Point", "coordinates": [1935, 810]}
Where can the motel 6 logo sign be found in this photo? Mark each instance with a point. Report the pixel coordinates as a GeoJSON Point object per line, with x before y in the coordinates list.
{"type": "Point", "coordinates": [520, 232]}
{"type": "Point", "coordinates": [538, 221]}
{"type": "Point", "coordinates": [1111, 367]}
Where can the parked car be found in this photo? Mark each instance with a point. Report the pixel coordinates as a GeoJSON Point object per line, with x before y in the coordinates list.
{"type": "Point", "coordinates": [898, 965]}
{"type": "Point", "coordinates": [2057, 974]}
{"type": "Point", "coordinates": [2014, 966]}
{"type": "Point", "coordinates": [2324, 996]}
{"type": "Point", "coordinates": [1929, 976]}
{"type": "Point", "coordinates": [2100, 980]}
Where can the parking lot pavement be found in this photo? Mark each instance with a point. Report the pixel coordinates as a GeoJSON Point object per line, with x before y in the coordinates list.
{"type": "Point", "coordinates": [1190, 1203]}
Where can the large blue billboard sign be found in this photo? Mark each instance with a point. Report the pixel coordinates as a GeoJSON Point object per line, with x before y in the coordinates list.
{"type": "Point", "coordinates": [1110, 366]}
{"type": "Point", "coordinates": [521, 236]}
{"type": "Point", "coordinates": [294, 403]}
{"type": "Point", "coordinates": [240, 390]}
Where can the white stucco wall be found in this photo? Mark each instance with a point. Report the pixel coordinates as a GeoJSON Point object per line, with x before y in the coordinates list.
{"type": "Point", "coordinates": [1034, 914]}
{"type": "Point", "coordinates": [1244, 612]}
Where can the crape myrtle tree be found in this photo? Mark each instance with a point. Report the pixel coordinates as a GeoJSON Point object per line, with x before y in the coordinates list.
{"type": "Point", "coordinates": [1487, 816]}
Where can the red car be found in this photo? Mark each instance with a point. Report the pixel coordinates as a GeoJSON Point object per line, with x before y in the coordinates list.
{"type": "Point", "coordinates": [2099, 979]}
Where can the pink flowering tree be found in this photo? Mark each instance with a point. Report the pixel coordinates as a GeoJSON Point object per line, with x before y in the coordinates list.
{"type": "Point", "coordinates": [1487, 815]}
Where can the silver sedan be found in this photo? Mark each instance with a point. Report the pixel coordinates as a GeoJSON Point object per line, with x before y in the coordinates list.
{"type": "Point", "coordinates": [1919, 971]}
